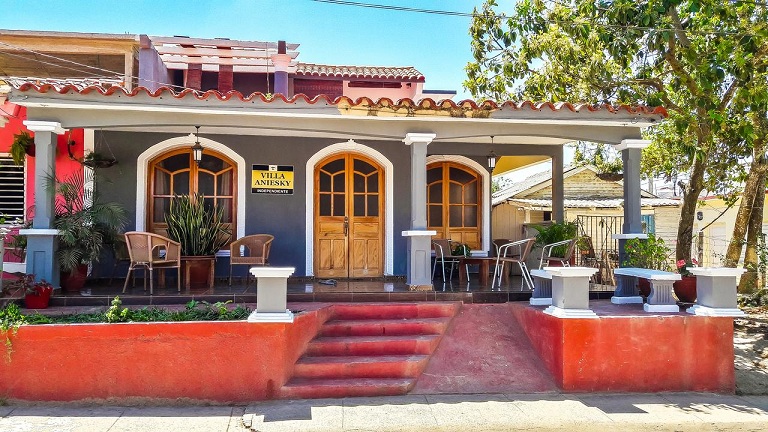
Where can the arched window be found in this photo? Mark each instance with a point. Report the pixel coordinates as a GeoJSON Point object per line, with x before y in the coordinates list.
{"type": "Point", "coordinates": [453, 202]}
{"type": "Point", "coordinates": [175, 173]}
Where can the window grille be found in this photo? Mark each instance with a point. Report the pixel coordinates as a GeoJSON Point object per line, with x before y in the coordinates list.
{"type": "Point", "coordinates": [11, 189]}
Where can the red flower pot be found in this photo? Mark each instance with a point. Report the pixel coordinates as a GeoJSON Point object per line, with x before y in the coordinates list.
{"type": "Point", "coordinates": [644, 286]}
{"type": "Point", "coordinates": [39, 300]}
{"type": "Point", "coordinates": [685, 289]}
{"type": "Point", "coordinates": [74, 281]}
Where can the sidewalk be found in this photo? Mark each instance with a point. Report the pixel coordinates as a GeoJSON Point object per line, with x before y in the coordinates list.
{"type": "Point", "coordinates": [495, 412]}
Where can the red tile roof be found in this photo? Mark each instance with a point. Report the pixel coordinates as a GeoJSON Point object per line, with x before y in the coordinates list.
{"type": "Point", "coordinates": [344, 101]}
{"type": "Point", "coordinates": [407, 73]}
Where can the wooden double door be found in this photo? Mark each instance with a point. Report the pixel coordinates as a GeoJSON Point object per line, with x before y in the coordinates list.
{"type": "Point", "coordinates": [349, 217]}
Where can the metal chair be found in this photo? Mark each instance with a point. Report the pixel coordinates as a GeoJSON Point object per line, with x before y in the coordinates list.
{"type": "Point", "coordinates": [250, 250]}
{"type": "Point", "coordinates": [443, 254]}
{"type": "Point", "coordinates": [546, 253]}
{"type": "Point", "coordinates": [506, 255]}
{"type": "Point", "coordinates": [151, 251]}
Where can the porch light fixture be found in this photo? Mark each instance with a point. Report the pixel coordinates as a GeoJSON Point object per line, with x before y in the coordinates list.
{"type": "Point", "coordinates": [197, 149]}
{"type": "Point", "coordinates": [492, 157]}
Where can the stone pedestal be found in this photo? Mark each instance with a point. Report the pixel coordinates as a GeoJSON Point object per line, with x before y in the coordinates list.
{"type": "Point", "coordinates": [570, 292]}
{"type": "Point", "coordinates": [271, 294]}
{"type": "Point", "coordinates": [419, 258]}
{"type": "Point", "coordinates": [716, 291]}
{"type": "Point", "coordinates": [42, 260]}
{"type": "Point", "coordinates": [542, 288]}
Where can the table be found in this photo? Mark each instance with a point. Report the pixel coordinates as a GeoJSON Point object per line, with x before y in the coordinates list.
{"type": "Point", "coordinates": [484, 262]}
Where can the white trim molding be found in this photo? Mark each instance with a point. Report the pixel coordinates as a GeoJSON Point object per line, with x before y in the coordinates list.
{"type": "Point", "coordinates": [632, 144]}
{"type": "Point", "coordinates": [44, 126]}
{"type": "Point", "coordinates": [351, 147]}
{"type": "Point", "coordinates": [142, 164]}
{"type": "Point", "coordinates": [485, 239]}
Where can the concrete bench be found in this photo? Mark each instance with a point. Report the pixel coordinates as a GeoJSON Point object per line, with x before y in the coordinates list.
{"type": "Point", "coordinates": [660, 300]}
{"type": "Point", "coordinates": [542, 288]}
{"type": "Point", "coordinates": [716, 291]}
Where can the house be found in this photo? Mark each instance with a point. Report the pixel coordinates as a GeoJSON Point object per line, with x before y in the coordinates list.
{"type": "Point", "coordinates": [373, 178]}
{"type": "Point", "coordinates": [591, 199]}
{"type": "Point", "coordinates": [713, 229]}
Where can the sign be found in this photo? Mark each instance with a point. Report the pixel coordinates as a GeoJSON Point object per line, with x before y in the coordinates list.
{"type": "Point", "coordinates": [272, 179]}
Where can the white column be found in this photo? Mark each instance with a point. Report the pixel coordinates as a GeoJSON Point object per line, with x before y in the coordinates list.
{"type": "Point", "coordinates": [419, 239]}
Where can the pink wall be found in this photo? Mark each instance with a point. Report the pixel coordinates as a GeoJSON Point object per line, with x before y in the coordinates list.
{"type": "Point", "coordinates": [633, 353]}
{"type": "Point", "coordinates": [226, 361]}
{"type": "Point", "coordinates": [378, 93]}
{"type": "Point", "coordinates": [64, 165]}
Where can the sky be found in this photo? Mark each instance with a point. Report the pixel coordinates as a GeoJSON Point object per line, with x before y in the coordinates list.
{"type": "Point", "coordinates": [437, 45]}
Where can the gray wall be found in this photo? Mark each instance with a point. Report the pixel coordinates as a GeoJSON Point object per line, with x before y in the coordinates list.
{"type": "Point", "coordinates": [280, 215]}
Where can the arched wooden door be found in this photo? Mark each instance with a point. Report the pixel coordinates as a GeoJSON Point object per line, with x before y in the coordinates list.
{"type": "Point", "coordinates": [349, 219]}
{"type": "Point", "coordinates": [175, 173]}
{"type": "Point", "coordinates": [453, 202]}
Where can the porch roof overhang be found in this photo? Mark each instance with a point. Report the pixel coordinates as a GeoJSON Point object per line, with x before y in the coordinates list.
{"type": "Point", "coordinates": [465, 122]}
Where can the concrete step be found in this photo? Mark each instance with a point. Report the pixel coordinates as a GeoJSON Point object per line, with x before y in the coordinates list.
{"type": "Point", "coordinates": [384, 327]}
{"type": "Point", "coordinates": [378, 311]}
{"type": "Point", "coordinates": [335, 367]}
{"type": "Point", "coordinates": [372, 345]}
{"type": "Point", "coordinates": [301, 388]}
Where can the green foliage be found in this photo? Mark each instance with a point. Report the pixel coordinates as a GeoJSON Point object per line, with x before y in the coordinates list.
{"type": "Point", "coordinates": [84, 229]}
{"type": "Point", "coordinates": [195, 223]}
{"type": "Point", "coordinates": [651, 253]}
{"type": "Point", "coordinates": [757, 299]}
{"type": "Point", "coordinates": [21, 142]}
{"type": "Point", "coordinates": [10, 321]}
{"type": "Point", "coordinates": [601, 156]}
{"type": "Point", "coordinates": [556, 232]}
{"type": "Point", "coordinates": [461, 249]}
{"type": "Point", "coordinates": [705, 61]}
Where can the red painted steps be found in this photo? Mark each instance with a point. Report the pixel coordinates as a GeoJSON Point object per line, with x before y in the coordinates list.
{"type": "Point", "coordinates": [370, 349]}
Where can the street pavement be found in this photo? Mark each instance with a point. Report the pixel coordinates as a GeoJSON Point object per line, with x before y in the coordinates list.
{"type": "Point", "coordinates": [480, 412]}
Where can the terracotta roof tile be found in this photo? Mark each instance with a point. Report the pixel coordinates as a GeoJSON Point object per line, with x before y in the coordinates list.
{"type": "Point", "coordinates": [464, 108]}
{"type": "Point", "coordinates": [359, 72]}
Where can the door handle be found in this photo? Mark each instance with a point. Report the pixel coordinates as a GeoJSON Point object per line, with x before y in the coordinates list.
{"type": "Point", "coordinates": [346, 225]}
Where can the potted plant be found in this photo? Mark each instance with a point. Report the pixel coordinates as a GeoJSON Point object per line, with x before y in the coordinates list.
{"type": "Point", "coordinates": [651, 253]}
{"type": "Point", "coordinates": [23, 144]}
{"type": "Point", "coordinates": [685, 288]}
{"type": "Point", "coordinates": [36, 294]}
{"type": "Point", "coordinates": [198, 226]}
{"type": "Point", "coordinates": [86, 225]}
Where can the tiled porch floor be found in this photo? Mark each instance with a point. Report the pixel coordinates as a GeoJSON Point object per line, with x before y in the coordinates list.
{"type": "Point", "coordinates": [101, 293]}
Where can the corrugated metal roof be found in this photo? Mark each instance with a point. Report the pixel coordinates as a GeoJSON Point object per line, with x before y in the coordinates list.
{"type": "Point", "coordinates": [595, 203]}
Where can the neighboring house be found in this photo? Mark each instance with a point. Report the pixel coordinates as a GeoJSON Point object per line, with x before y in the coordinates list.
{"type": "Point", "coordinates": [372, 176]}
{"type": "Point", "coordinates": [714, 225]}
{"type": "Point", "coordinates": [596, 203]}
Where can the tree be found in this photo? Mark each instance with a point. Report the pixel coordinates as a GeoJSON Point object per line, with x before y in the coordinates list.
{"type": "Point", "coordinates": [691, 56]}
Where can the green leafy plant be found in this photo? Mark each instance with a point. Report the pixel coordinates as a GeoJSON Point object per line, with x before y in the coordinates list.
{"type": "Point", "coordinates": [84, 229]}
{"type": "Point", "coordinates": [461, 249]}
{"type": "Point", "coordinates": [22, 141]}
{"type": "Point", "coordinates": [556, 232]}
{"type": "Point", "coordinates": [30, 287]}
{"type": "Point", "coordinates": [10, 321]}
{"type": "Point", "coordinates": [197, 225]}
{"type": "Point", "coordinates": [651, 253]}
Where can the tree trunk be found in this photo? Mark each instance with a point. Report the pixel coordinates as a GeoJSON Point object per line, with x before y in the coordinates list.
{"type": "Point", "coordinates": [748, 282]}
{"type": "Point", "coordinates": [688, 211]}
{"type": "Point", "coordinates": [743, 217]}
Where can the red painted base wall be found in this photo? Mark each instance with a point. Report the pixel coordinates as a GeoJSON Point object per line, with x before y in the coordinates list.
{"type": "Point", "coordinates": [215, 361]}
{"type": "Point", "coordinates": [633, 353]}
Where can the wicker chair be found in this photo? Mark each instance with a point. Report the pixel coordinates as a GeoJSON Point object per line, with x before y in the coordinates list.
{"type": "Point", "coordinates": [249, 250]}
{"type": "Point", "coordinates": [151, 251]}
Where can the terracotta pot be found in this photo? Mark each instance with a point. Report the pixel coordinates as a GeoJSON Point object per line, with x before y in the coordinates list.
{"type": "Point", "coordinates": [199, 270]}
{"type": "Point", "coordinates": [685, 289]}
{"type": "Point", "coordinates": [74, 281]}
{"type": "Point", "coordinates": [39, 301]}
{"type": "Point", "coordinates": [644, 286]}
